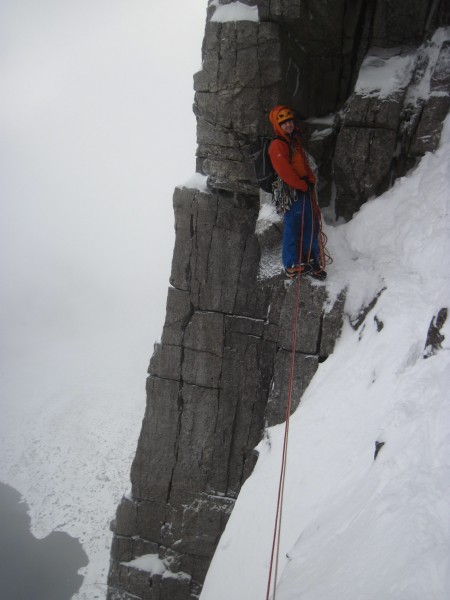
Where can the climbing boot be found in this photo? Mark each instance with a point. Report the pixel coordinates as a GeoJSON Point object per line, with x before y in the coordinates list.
{"type": "Point", "coordinates": [316, 270]}
{"type": "Point", "coordinates": [303, 268]}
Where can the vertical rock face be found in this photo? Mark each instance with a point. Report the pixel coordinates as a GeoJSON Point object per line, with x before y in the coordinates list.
{"type": "Point", "coordinates": [219, 375]}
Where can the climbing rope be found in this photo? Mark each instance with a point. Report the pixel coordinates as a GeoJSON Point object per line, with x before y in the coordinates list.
{"type": "Point", "coordinates": [325, 259]}
{"type": "Point", "coordinates": [325, 256]}
{"type": "Point", "coordinates": [274, 557]}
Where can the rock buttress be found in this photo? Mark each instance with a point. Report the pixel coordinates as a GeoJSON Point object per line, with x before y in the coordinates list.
{"type": "Point", "coordinates": [218, 377]}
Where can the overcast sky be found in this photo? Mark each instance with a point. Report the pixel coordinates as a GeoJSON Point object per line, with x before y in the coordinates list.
{"type": "Point", "coordinates": [96, 129]}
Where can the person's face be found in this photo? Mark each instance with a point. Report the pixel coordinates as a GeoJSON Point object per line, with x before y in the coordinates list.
{"type": "Point", "coordinates": [288, 126]}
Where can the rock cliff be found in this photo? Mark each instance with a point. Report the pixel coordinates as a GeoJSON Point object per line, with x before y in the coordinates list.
{"type": "Point", "coordinates": [219, 375]}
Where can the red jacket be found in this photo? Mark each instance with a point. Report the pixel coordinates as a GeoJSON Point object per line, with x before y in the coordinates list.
{"type": "Point", "coordinates": [290, 164]}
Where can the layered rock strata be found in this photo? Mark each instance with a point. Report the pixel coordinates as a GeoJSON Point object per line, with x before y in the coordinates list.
{"type": "Point", "coordinates": [219, 375]}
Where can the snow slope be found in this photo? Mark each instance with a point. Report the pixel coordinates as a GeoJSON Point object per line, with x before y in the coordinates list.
{"type": "Point", "coordinates": [353, 527]}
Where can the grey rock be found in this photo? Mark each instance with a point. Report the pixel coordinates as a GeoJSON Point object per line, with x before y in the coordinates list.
{"type": "Point", "coordinates": [274, 317]}
{"type": "Point", "coordinates": [211, 135]}
{"type": "Point", "coordinates": [201, 524]}
{"type": "Point", "coordinates": [195, 443]}
{"type": "Point", "coordinates": [122, 548]}
{"type": "Point", "coordinates": [201, 368]}
{"type": "Point", "coordinates": [151, 471]}
{"type": "Point", "coordinates": [374, 112]}
{"type": "Point", "coordinates": [429, 127]}
{"type": "Point", "coordinates": [398, 23]}
{"type": "Point", "coordinates": [166, 362]}
{"type": "Point", "coordinates": [303, 369]}
{"type": "Point", "coordinates": [243, 325]}
{"type": "Point", "coordinates": [332, 325]}
{"type": "Point", "coordinates": [119, 594]}
{"type": "Point", "coordinates": [363, 172]}
{"type": "Point", "coordinates": [434, 336]}
{"type": "Point", "coordinates": [203, 349]}
{"type": "Point", "coordinates": [183, 199]}
{"type": "Point", "coordinates": [142, 547]}
{"type": "Point", "coordinates": [175, 586]}
{"type": "Point", "coordinates": [248, 365]}
{"type": "Point", "coordinates": [222, 230]}
{"type": "Point", "coordinates": [125, 523]}
{"type": "Point", "coordinates": [178, 313]}
{"type": "Point", "coordinates": [427, 136]}
{"type": "Point", "coordinates": [252, 298]}
{"type": "Point", "coordinates": [140, 583]}
{"type": "Point", "coordinates": [150, 517]}
{"type": "Point", "coordinates": [311, 299]}
{"type": "Point", "coordinates": [357, 319]}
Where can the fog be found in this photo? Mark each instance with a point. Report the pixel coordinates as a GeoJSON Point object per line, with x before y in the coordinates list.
{"type": "Point", "coordinates": [96, 129]}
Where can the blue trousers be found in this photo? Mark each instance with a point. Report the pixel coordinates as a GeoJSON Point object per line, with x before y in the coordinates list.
{"type": "Point", "coordinates": [301, 212]}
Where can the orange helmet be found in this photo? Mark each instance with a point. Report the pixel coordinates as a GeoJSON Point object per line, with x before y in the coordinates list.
{"type": "Point", "coordinates": [280, 114]}
{"type": "Point", "coordinates": [284, 114]}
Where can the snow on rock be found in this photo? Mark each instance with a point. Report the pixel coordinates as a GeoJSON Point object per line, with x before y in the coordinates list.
{"type": "Point", "coordinates": [179, 575]}
{"type": "Point", "coordinates": [196, 182]}
{"type": "Point", "coordinates": [151, 563]}
{"type": "Point", "coordinates": [235, 11]}
{"type": "Point", "coordinates": [270, 261]}
{"type": "Point", "coordinates": [355, 527]}
{"type": "Point", "coordinates": [267, 216]}
{"type": "Point", "coordinates": [426, 61]}
{"type": "Point", "coordinates": [383, 72]}
{"type": "Point", "coordinates": [320, 134]}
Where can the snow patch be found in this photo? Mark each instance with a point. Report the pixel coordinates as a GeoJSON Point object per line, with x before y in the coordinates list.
{"type": "Point", "coordinates": [179, 576]}
{"type": "Point", "coordinates": [235, 11]}
{"type": "Point", "coordinates": [320, 134]}
{"type": "Point", "coordinates": [384, 72]}
{"type": "Point", "coordinates": [151, 563]}
{"type": "Point", "coordinates": [426, 61]}
{"type": "Point", "coordinates": [270, 262]}
{"type": "Point", "coordinates": [267, 217]}
{"type": "Point", "coordinates": [196, 182]}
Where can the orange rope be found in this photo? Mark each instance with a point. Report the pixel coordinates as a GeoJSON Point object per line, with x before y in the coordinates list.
{"type": "Point", "coordinates": [325, 259]}
{"type": "Point", "coordinates": [325, 256]}
{"type": "Point", "coordinates": [279, 512]}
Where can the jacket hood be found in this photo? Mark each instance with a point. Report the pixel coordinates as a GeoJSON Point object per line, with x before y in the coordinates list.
{"type": "Point", "coordinates": [273, 119]}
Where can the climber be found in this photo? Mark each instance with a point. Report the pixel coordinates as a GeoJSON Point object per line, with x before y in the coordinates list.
{"type": "Point", "coordinates": [295, 196]}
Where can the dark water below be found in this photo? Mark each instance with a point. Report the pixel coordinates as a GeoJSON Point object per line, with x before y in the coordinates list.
{"type": "Point", "coordinates": [32, 569]}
